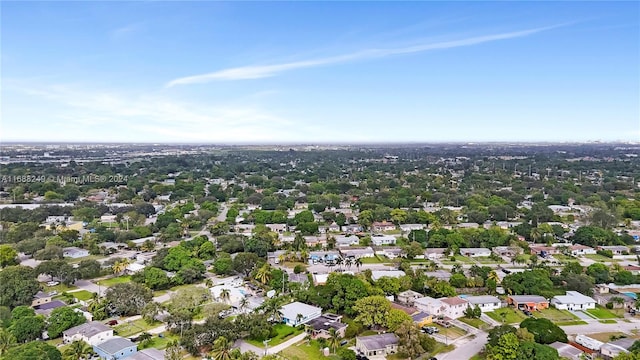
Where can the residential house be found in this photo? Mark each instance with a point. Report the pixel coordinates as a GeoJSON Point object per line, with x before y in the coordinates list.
{"type": "Point", "coordinates": [74, 252]}
{"type": "Point", "coordinates": [377, 345]}
{"type": "Point", "coordinates": [429, 305]}
{"type": "Point", "coordinates": [358, 253]}
{"type": "Point", "coordinates": [581, 250]}
{"type": "Point", "coordinates": [147, 354]}
{"type": "Point", "coordinates": [323, 256]}
{"type": "Point", "coordinates": [92, 333]}
{"type": "Point", "coordinates": [320, 327]}
{"type": "Point", "coordinates": [614, 348]}
{"type": "Point", "coordinates": [298, 313]}
{"type": "Point", "coordinates": [528, 302]}
{"type": "Point", "coordinates": [567, 351]}
{"type": "Point", "coordinates": [616, 249]}
{"type": "Point", "coordinates": [408, 297]}
{"type": "Point", "coordinates": [352, 228]}
{"type": "Point", "coordinates": [634, 269]}
{"type": "Point", "coordinates": [484, 302]}
{"type": "Point", "coordinates": [333, 227]}
{"type": "Point", "coordinates": [468, 225]}
{"type": "Point", "coordinates": [46, 308]}
{"type": "Point", "coordinates": [409, 227]}
{"type": "Point", "coordinates": [115, 348]}
{"type": "Point", "coordinates": [312, 241]}
{"type": "Point", "coordinates": [342, 240]}
{"type": "Point", "coordinates": [391, 253]}
{"type": "Point", "coordinates": [543, 251]}
{"type": "Point", "coordinates": [40, 298]}
{"type": "Point", "coordinates": [379, 240]}
{"type": "Point", "coordinates": [475, 252]}
{"type": "Point", "coordinates": [573, 300]}
{"type": "Point", "coordinates": [382, 226]}
{"type": "Point", "coordinates": [510, 251]}
{"type": "Point", "coordinates": [422, 318]}
{"type": "Point", "coordinates": [435, 253]}
{"type": "Point", "coordinates": [377, 274]}
{"type": "Point", "coordinates": [454, 307]}
{"type": "Point", "coordinates": [245, 229]}
{"type": "Point", "coordinates": [277, 228]}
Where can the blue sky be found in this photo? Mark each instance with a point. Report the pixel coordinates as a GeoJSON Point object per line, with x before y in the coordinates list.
{"type": "Point", "coordinates": [308, 72]}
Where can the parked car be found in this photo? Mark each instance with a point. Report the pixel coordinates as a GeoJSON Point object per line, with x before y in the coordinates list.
{"type": "Point", "coordinates": [112, 322]}
{"type": "Point", "coordinates": [527, 312]}
{"type": "Point", "coordinates": [52, 283]}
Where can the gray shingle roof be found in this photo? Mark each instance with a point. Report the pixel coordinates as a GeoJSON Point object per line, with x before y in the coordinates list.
{"type": "Point", "coordinates": [88, 329]}
{"type": "Point", "coordinates": [378, 342]}
{"type": "Point", "coordinates": [115, 345]}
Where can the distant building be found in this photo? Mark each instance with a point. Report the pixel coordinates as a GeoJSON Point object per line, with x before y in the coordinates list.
{"type": "Point", "coordinates": [382, 226]}
{"type": "Point", "coordinates": [377, 274]}
{"type": "Point", "coordinates": [147, 354]}
{"type": "Point", "coordinates": [435, 253]}
{"type": "Point", "coordinates": [322, 326]}
{"type": "Point", "coordinates": [567, 351]}
{"type": "Point", "coordinates": [74, 252]}
{"type": "Point", "coordinates": [475, 252]}
{"type": "Point", "coordinates": [379, 240]}
{"type": "Point", "coordinates": [377, 345]}
{"type": "Point", "coordinates": [408, 297]}
{"type": "Point", "coordinates": [40, 298]}
{"type": "Point", "coordinates": [614, 348]}
{"type": "Point", "coordinates": [357, 253]}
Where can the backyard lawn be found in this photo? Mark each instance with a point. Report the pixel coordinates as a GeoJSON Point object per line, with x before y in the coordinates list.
{"type": "Point", "coordinates": [602, 313]}
{"type": "Point", "coordinates": [606, 336]}
{"type": "Point", "coordinates": [374, 260]}
{"type": "Point", "coordinates": [137, 326]}
{"type": "Point", "coordinates": [60, 288]}
{"type": "Point", "coordinates": [451, 333]}
{"type": "Point", "coordinates": [114, 280]}
{"type": "Point", "coordinates": [160, 343]}
{"type": "Point", "coordinates": [285, 332]}
{"type": "Point", "coordinates": [599, 258]}
{"type": "Point", "coordinates": [302, 351]}
{"type": "Point", "coordinates": [459, 258]}
{"type": "Point", "coordinates": [507, 315]}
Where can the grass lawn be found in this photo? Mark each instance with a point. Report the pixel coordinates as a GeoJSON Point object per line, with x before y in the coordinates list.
{"type": "Point", "coordinates": [509, 315]}
{"type": "Point", "coordinates": [374, 260]}
{"type": "Point", "coordinates": [285, 332]}
{"type": "Point", "coordinates": [488, 260]}
{"type": "Point", "coordinates": [555, 315]}
{"type": "Point", "coordinates": [605, 336]}
{"type": "Point", "coordinates": [60, 288]}
{"type": "Point", "coordinates": [292, 264]}
{"type": "Point", "coordinates": [442, 348]}
{"type": "Point", "coordinates": [114, 280]}
{"type": "Point", "coordinates": [82, 295]}
{"type": "Point", "coordinates": [160, 343]}
{"type": "Point", "coordinates": [90, 257]}
{"type": "Point", "coordinates": [602, 313]}
{"type": "Point", "coordinates": [459, 258]}
{"type": "Point", "coordinates": [476, 323]}
{"type": "Point", "coordinates": [451, 333]}
{"type": "Point", "coordinates": [561, 257]}
{"type": "Point", "coordinates": [302, 351]}
{"type": "Point", "coordinates": [137, 326]}
{"type": "Point", "coordinates": [599, 258]}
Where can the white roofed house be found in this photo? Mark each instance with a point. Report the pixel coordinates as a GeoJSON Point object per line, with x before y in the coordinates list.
{"type": "Point", "coordinates": [408, 227]}
{"type": "Point", "coordinates": [475, 252]}
{"type": "Point", "coordinates": [580, 250]}
{"type": "Point", "coordinates": [357, 253]}
{"type": "Point", "coordinates": [392, 253]}
{"type": "Point", "coordinates": [429, 305]}
{"type": "Point", "coordinates": [484, 302]}
{"type": "Point", "coordinates": [573, 300]}
{"type": "Point", "coordinates": [343, 241]}
{"type": "Point", "coordinates": [379, 240]}
{"type": "Point", "coordinates": [277, 228]}
{"type": "Point", "coordinates": [377, 274]}
{"type": "Point", "coordinates": [408, 297]}
{"type": "Point", "coordinates": [435, 253]}
{"type": "Point", "coordinates": [297, 313]}
{"type": "Point", "coordinates": [92, 333]}
{"type": "Point", "coordinates": [383, 226]}
{"type": "Point", "coordinates": [74, 252]}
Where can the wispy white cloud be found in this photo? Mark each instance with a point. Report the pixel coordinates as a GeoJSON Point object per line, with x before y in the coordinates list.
{"type": "Point", "coordinates": [96, 115]}
{"type": "Point", "coordinates": [123, 31]}
{"type": "Point", "coordinates": [263, 71]}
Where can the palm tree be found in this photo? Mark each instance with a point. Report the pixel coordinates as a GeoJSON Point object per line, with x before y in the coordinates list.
{"type": "Point", "coordinates": [120, 266]}
{"type": "Point", "coordinates": [348, 262]}
{"type": "Point", "coordinates": [244, 302]}
{"type": "Point", "coordinates": [225, 295]}
{"type": "Point", "coordinates": [78, 350]}
{"type": "Point", "coordinates": [299, 318]}
{"type": "Point", "coordinates": [271, 308]}
{"type": "Point", "coordinates": [339, 262]}
{"type": "Point", "coordinates": [358, 263]}
{"type": "Point", "coordinates": [221, 349]}
{"type": "Point", "coordinates": [334, 339]}
{"type": "Point", "coordinates": [536, 234]}
{"type": "Point", "coordinates": [172, 352]}
{"type": "Point", "coordinates": [264, 273]}
{"type": "Point", "coordinates": [7, 340]}
{"type": "Point", "coordinates": [304, 256]}
{"type": "Point", "coordinates": [493, 276]}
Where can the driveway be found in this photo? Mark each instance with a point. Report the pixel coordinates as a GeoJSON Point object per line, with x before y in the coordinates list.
{"type": "Point", "coordinates": [91, 287]}
{"type": "Point", "coordinates": [466, 350]}
{"type": "Point", "coordinates": [581, 315]}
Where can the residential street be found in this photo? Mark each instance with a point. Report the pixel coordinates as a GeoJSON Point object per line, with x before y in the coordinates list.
{"type": "Point", "coordinates": [466, 350]}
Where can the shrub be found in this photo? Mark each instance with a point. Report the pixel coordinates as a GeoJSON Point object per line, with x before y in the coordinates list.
{"type": "Point", "coordinates": [298, 269]}
{"type": "Point", "coordinates": [609, 305]}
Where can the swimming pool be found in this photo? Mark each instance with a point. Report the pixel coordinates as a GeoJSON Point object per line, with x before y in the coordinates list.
{"type": "Point", "coordinates": [634, 296]}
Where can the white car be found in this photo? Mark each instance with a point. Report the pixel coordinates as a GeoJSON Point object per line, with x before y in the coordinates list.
{"type": "Point", "coordinates": [52, 283]}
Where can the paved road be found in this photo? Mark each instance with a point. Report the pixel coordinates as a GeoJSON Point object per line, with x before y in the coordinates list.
{"type": "Point", "coordinates": [90, 286]}
{"type": "Point", "coordinates": [466, 350]}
